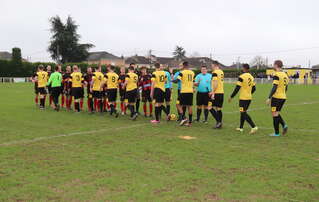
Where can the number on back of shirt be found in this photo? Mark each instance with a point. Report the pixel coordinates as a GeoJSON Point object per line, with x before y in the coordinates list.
{"type": "Point", "coordinates": [161, 78]}
{"type": "Point", "coordinates": [190, 77]}
{"type": "Point", "coordinates": [249, 82]}
{"type": "Point", "coordinates": [285, 81]}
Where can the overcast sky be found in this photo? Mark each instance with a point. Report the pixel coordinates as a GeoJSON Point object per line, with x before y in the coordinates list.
{"type": "Point", "coordinates": [277, 29]}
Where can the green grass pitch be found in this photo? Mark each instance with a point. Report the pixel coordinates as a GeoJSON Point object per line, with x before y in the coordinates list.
{"type": "Point", "coordinates": [46, 155]}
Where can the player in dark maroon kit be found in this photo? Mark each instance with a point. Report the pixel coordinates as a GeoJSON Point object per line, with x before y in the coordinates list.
{"type": "Point", "coordinates": [146, 83]}
{"type": "Point", "coordinates": [36, 90]}
{"type": "Point", "coordinates": [67, 87]}
{"type": "Point", "coordinates": [88, 80]}
{"type": "Point", "coordinates": [122, 77]}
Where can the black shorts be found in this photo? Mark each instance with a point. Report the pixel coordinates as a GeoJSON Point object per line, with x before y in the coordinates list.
{"type": "Point", "coordinates": [131, 96]}
{"type": "Point", "coordinates": [111, 95]}
{"type": "Point", "coordinates": [178, 96]}
{"type": "Point", "coordinates": [56, 91]}
{"type": "Point", "coordinates": [168, 94]}
{"type": "Point", "coordinates": [36, 90]}
{"type": "Point", "coordinates": [218, 100]}
{"type": "Point", "coordinates": [77, 92]}
{"type": "Point", "coordinates": [138, 94]}
{"type": "Point", "coordinates": [202, 99]}
{"type": "Point", "coordinates": [97, 94]}
{"type": "Point", "coordinates": [122, 95]}
{"type": "Point", "coordinates": [146, 96]}
{"type": "Point", "coordinates": [244, 105]}
{"type": "Point", "coordinates": [42, 91]}
{"type": "Point", "coordinates": [277, 104]}
{"type": "Point", "coordinates": [186, 99]}
{"type": "Point", "coordinates": [159, 95]}
{"type": "Point", "coordinates": [49, 89]}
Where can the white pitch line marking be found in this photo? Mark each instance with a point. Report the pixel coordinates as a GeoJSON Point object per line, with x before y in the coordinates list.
{"type": "Point", "coordinates": [67, 135]}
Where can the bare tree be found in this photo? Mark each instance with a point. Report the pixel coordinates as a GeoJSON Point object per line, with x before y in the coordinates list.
{"type": "Point", "coordinates": [258, 61]}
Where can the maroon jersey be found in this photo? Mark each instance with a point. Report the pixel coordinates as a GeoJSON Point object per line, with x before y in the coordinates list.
{"type": "Point", "coordinates": [146, 82]}
{"type": "Point", "coordinates": [88, 79]}
{"type": "Point", "coordinates": [122, 81]}
{"type": "Point", "coordinates": [66, 81]}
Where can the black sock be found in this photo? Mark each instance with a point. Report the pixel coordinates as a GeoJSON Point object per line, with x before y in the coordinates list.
{"type": "Point", "coordinates": [77, 106]}
{"type": "Point", "coordinates": [214, 113]}
{"type": "Point", "coordinates": [250, 121]}
{"type": "Point", "coordinates": [168, 109]}
{"type": "Point", "coordinates": [91, 104]}
{"type": "Point", "coordinates": [42, 102]}
{"type": "Point", "coordinates": [184, 112]}
{"type": "Point", "coordinates": [101, 105]}
{"type": "Point", "coordinates": [132, 110]}
{"type": "Point", "coordinates": [164, 109]}
{"type": "Point", "coordinates": [137, 105]}
{"type": "Point", "coordinates": [199, 112]}
{"type": "Point", "coordinates": [281, 121]}
{"type": "Point", "coordinates": [112, 109]}
{"type": "Point", "coordinates": [242, 119]}
{"type": "Point", "coordinates": [56, 101]}
{"type": "Point", "coordinates": [190, 116]}
{"type": "Point", "coordinates": [276, 124]}
{"type": "Point", "coordinates": [157, 113]}
{"type": "Point", "coordinates": [220, 116]}
{"type": "Point", "coordinates": [206, 114]}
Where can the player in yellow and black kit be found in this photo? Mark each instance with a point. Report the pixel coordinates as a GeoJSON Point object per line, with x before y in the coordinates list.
{"type": "Point", "coordinates": [112, 83]}
{"type": "Point", "coordinates": [277, 97]}
{"type": "Point", "coordinates": [96, 89]}
{"type": "Point", "coordinates": [246, 87]}
{"type": "Point", "coordinates": [217, 94]}
{"type": "Point", "coordinates": [186, 77]}
{"type": "Point", "coordinates": [42, 79]}
{"type": "Point", "coordinates": [130, 85]}
{"type": "Point", "coordinates": [77, 87]}
{"type": "Point", "coordinates": [158, 92]}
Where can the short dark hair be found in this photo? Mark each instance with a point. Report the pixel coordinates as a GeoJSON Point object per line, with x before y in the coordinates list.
{"type": "Point", "coordinates": [215, 62]}
{"type": "Point", "coordinates": [131, 68]}
{"type": "Point", "coordinates": [41, 67]}
{"type": "Point", "coordinates": [157, 65]}
{"type": "Point", "coordinates": [279, 63]}
{"type": "Point", "coordinates": [185, 64]}
{"type": "Point", "coordinates": [56, 68]}
{"type": "Point", "coordinates": [112, 67]}
{"type": "Point", "coordinates": [132, 63]}
{"type": "Point", "coordinates": [143, 67]}
{"type": "Point", "coordinates": [204, 66]}
{"type": "Point", "coordinates": [246, 66]}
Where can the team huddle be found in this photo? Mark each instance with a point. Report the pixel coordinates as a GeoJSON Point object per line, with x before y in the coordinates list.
{"type": "Point", "coordinates": [136, 84]}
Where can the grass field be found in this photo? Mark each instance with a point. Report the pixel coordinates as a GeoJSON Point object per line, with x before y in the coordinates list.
{"type": "Point", "coordinates": [45, 155]}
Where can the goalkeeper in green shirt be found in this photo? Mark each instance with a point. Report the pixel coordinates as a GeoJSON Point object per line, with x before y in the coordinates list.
{"type": "Point", "coordinates": [55, 81]}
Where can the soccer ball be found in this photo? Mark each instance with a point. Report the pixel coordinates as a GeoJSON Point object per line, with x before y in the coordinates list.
{"type": "Point", "coordinates": [173, 117]}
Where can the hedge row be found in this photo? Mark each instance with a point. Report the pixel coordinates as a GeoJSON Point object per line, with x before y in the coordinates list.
{"type": "Point", "coordinates": [27, 69]}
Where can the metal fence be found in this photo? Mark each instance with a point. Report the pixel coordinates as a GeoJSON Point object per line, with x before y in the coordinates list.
{"type": "Point", "coordinates": [14, 79]}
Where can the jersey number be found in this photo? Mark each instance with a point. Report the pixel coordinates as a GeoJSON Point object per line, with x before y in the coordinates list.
{"type": "Point", "coordinates": [222, 77]}
{"type": "Point", "coordinates": [190, 77]}
{"type": "Point", "coordinates": [161, 78]}
{"type": "Point", "coordinates": [249, 82]}
{"type": "Point", "coordinates": [77, 77]}
{"type": "Point", "coordinates": [285, 81]}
